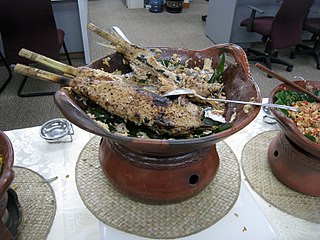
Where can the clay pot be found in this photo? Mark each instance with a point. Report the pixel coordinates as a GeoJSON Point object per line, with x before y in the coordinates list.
{"type": "Point", "coordinates": [6, 178]}
{"type": "Point", "coordinates": [166, 171]}
{"type": "Point", "coordinates": [293, 158]}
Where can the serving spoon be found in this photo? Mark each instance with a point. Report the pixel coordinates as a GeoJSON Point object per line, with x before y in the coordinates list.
{"type": "Point", "coordinates": [120, 33]}
{"type": "Point", "coordinates": [186, 91]}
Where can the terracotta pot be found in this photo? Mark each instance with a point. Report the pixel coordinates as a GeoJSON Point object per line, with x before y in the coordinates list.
{"type": "Point", "coordinates": [293, 158]}
{"type": "Point", "coordinates": [166, 171]}
{"type": "Point", "coordinates": [158, 180]}
{"type": "Point", "coordinates": [6, 178]}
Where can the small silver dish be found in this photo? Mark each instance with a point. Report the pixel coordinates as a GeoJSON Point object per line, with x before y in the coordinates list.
{"type": "Point", "coordinates": [268, 118]}
{"type": "Point", "coordinates": [57, 130]}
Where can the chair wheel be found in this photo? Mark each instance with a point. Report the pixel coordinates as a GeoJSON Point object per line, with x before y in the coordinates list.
{"type": "Point", "coordinates": [247, 51]}
{"type": "Point", "coordinates": [292, 55]}
{"type": "Point", "coordinates": [289, 68]}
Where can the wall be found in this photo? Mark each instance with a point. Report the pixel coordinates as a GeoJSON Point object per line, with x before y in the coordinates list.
{"type": "Point", "coordinates": [67, 18]}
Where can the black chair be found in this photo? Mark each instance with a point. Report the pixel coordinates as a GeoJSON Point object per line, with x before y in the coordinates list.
{"type": "Point", "coordinates": [311, 25]}
{"type": "Point", "coordinates": [6, 82]}
{"type": "Point", "coordinates": [280, 31]}
{"type": "Point", "coordinates": [30, 25]}
{"type": "Point", "coordinates": [204, 17]}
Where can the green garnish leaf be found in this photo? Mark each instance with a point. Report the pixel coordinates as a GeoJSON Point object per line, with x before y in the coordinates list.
{"type": "Point", "coordinates": [222, 127]}
{"type": "Point", "coordinates": [208, 122]}
{"type": "Point", "coordinates": [310, 137]}
{"type": "Point", "coordinates": [216, 77]}
{"type": "Point", "coordinates": [165, 62]}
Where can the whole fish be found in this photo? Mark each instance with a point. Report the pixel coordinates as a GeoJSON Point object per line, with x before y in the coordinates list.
{"type": "Point", "coordinates": [130, 102]}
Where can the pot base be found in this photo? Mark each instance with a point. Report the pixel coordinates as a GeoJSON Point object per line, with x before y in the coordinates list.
{"type": "Point", "coordinates": [158, 180]}
{"type": "Point", "coordinates": [11, 220]}
{"type": "Point", "coordinates": [293, 166]}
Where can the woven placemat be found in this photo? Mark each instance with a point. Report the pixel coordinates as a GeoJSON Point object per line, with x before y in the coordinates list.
{"type": "Point", "coordinates": [157, 221]}
{"type": "Point", "coordinates": [37, 201]}
{"type": "Point", "coordinates": [258, 173]}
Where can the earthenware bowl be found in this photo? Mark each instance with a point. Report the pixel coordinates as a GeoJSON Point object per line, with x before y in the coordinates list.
{"type": "Point", "coordinates": [288, 127]}
{"type": "Point", "coordinates": [6, 178]}
{"type": "Point", "coordinates": [293, 158]}
{"type": "Point", "coordinates": [166, 171]}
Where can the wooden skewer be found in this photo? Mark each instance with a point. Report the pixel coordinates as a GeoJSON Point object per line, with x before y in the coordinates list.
{"type": "Point", "coordinates": [41, 74]}
{"type": "Point", "coordinates": [286, 81]}
{"type": "Point", "coordinates": [47, 61]}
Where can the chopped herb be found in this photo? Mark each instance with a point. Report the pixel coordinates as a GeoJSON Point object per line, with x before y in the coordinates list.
{"type": "Point", "coordinates": [306, 120]}
{"type": "Point", "coordinates": [288, 97]}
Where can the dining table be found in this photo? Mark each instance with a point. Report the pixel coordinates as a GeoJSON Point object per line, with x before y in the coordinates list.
{"type": "Point", "coordinates": [73, 220]}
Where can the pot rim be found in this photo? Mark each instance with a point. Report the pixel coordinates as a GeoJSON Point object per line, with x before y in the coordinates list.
{"type": "Point", "coordinates": [7, 174]}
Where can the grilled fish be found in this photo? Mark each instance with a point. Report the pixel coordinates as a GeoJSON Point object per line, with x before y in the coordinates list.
{"type": "Point", "coordinates": [130, 102]}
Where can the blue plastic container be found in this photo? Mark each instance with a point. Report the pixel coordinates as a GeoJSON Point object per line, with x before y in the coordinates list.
{"type": "Point", "coordinates": [156, 6]}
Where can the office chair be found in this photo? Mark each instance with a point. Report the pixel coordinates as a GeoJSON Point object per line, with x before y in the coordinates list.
{"type": "Point", "coordinates": [30, 25]}
{"type": "Point", "coordinates": [311, 25]}
{"type": "Point", "coordinates": [280, 31]}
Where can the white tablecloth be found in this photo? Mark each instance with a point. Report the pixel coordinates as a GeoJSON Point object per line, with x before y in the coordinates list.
{"type": "Point", "coordinates": [74, 221]}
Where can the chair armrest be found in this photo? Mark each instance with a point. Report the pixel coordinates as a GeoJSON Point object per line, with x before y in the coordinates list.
{"type": "Point", "coordinates": [252, 17]}
{"type": "Point", "coordinates": [313, 10]}
{"type": "Point", "coordinates": [255, 8]}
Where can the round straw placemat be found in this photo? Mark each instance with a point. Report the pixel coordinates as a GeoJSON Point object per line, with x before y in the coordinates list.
{"type": "Point", "coordinates": [37, 201]}
{"type": "Point", "coordinates": [157, 221]}
{"type": "Point", "coordinates": [260, 177]}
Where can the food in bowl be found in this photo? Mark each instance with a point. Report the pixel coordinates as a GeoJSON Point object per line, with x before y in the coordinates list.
{"type": "Point", "coordinates": [135, 98]}
{"type": "Point", "coordinates": [307, 120]}
{"type": "Point", "coordinates": [209, 115]}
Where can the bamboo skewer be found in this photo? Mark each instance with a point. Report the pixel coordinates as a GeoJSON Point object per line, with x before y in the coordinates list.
{"type": "Point", "coordinates": [286, 81]}
{"type": "Point", "coordinates": [106, 45]}
{"type": "Point", "coordinates": [139, 58]}
{"type": "Point", "coordinates": [102, 33]}
{"type": "Point", "coordinates": [48, 62]}
{"type": "Point", "coordinates": [41, 74]}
